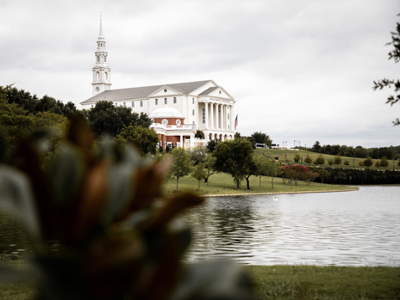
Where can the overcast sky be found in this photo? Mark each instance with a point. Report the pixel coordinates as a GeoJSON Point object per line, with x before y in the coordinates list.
{"type": "Point", "coordinates": [301, 70]}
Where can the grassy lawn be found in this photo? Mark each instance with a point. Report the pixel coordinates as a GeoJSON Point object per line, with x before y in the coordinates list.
{"type": "Point", "coordinates": [222, 184]}
{"type": "Point", "coordinates": [294, 282]}
{"type": "Point", "coordinates": [290, 154]}
{"type": "Point", "coordinates": [330, 282]}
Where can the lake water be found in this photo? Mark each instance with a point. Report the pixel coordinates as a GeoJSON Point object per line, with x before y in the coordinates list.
{"type": "Point", "coordinates": [347, 228]}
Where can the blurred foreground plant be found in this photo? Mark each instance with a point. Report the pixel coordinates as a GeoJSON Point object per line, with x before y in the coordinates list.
{"type": "Point", "coordinates": [118, 237]}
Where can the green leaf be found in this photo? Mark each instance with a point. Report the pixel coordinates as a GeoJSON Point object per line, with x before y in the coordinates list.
{"type": "Point", "coordinates": [66, 173]}
{"type": "Point", "coordinates": [121, 189]}
{"type": "Point", "coordinates": [16, 195]}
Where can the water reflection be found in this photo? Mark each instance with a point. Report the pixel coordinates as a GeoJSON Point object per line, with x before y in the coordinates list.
{"type": "Point", "coordinates": [353, 228]}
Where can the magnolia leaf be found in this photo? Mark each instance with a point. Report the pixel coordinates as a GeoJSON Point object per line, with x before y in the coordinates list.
{"type": "Point", "coordinates": [10, 274]}
{"type": "Point", "coordinates": [131, 156]}
{"type": "Point", "coordinates": [66, 173]}
{"type": "Point", "coordinates": [120, 190]}
{"type": "Point", "coordinates": [16, 195]}
{"type": "Point", "coordinates": [217, 280]}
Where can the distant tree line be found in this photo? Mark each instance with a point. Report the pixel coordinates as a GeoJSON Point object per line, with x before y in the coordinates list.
{"type": "Point", "coordinates": [359, 151]}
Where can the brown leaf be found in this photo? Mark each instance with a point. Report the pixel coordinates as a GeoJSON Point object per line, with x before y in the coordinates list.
{"type": "Point", "coordinates": [148, 186]}
{"type": "Point", "coordinates": [112, 265]}
{"type": "Point", "coordinates": [171, 208]}
{"type": "Point", "coordinates": [82, 214]}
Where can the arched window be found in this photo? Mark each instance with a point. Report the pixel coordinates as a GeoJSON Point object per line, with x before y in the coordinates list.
{"type": "Point", "coordinates": [192, 100]}
{"type": "Point", "coordinates": [124, 104]}
{"type": "Point", "coordinates": [97, 75]}
{"type": "Point", "coordinates": [193, 112]}
{"type": "Point", "coordinates": [165, 100]}
{"type": "Point", "coordinates": [105, 58]}
{"type": "Point", "coordinates": [133, 103]}
{"type": "Point", "coordinates": [98, 58]}
{"type": "Point", "coordinates": [178, 122]}
{"type": "Point", "coordinates": [106, 76]}
{"type": "Point", "coordinates": [141, 103]}
{"type": "Point", "coordinates": [156, 101]}
{"type": "Point", "coordinates": [174, 100]}
{"type": "Point", "coordinates": [164, 122]}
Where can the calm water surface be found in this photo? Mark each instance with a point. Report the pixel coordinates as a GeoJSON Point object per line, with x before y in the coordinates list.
{"type": "Point", "coordinates": [348, 228]}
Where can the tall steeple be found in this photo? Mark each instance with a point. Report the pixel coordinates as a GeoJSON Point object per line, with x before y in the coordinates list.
{"type": "Point", "coordinates": [101, 70]}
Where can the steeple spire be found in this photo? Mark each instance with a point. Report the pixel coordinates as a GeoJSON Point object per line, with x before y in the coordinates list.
{"type": "Point", "coordinates": [101, 70]}
{"type": "Point", "coordinates": [101, 34]}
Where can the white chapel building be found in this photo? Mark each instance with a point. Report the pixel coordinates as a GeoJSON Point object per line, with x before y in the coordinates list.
{"type": "Point", "coordinates": [177, 110]}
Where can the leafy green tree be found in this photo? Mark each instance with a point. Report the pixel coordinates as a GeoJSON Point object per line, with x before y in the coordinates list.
{"type": "Point", "coordinates": [346, 163]}
{"type": "Point", "coordinates": [395, 55]}
{"type": "Point", "coordinates": [234, 157]}
{"type": "Point", "coordinates": [260, 162]}
{"type": "Point", "coordinates": [361, 163]}
{"type": "Point", "coordinates": [323, 174]}
{"type": "Point", "coordinates": [330, 162]}
{"type": "Point", "coordinates": [209, 163]}
{"type": "Point", "coordinates": [199, 134]}
{"type": "Point", "coordinates": [320, 160]}
{"type": "Point", "coordinates": [105, 118]}
{"type": "Point", "coordinates": [237, 135]}
{"type": "Point", "coordinates": [144, 138]}
{"type": "Point", "coordinates": [297, 158]}
{"type": "Point", "coordinates": [337, 160]}
{"type": "Point", "coordinates": [316, 147]}
{"type": "Point", "coordinates": [199, 172]}
{"type": "Point", "coordinates": [261, 138]}
{"type": "Point", "coordinates": [211, 145]}
{"type": "Point", "coordinates": [198, 154]}
{"type": "Point", "coordinates": [384, 162]}
{"type": "Point", "coordinates": [377, 164]}
{"type": "Point", "coordinates": [308, 159]}
{"type": "Point", "coordinates": [273, 169]}
{"type": "Point", "coordinates": [368, 162]}
{"type": "Point", "coordinates": [182, 164]}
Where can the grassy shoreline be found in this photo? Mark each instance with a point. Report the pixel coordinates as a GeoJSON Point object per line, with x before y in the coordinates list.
{"type": "Point", "coordinates": [293, 282]}
{"type": "Point", "coordinates": [221, 184]}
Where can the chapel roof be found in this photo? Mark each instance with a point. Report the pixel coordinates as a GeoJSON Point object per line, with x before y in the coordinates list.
{"type": "Point", "coordinates": [143, 92]}
{"type": "Point", "coordinates": [209, 90]}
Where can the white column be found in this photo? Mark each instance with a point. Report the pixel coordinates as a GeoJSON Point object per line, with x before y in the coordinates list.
{"type": "Point", "coordinates": [218, 120]}
{"type": "Point", "coordinates": [181, 141]}
{"type": "Point", "coordinates": [225, 118]}
{"type": "Point", "coordinates": [230, 118]}
{"type": "Point", "coordinates": [212, 115]}
{"type": "Point", "coordinates": [206, 114]}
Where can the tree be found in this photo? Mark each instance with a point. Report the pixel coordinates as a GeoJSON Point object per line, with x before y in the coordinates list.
{"type": "Point", "coordinates": [198, 154]}
{"type": "Point", "coordinates": [337, 160]}
{"type": "Point", "coordinates": [320, 160]}
{"type": "Point", "coordinates": [105, 118]}
{"type": "Point", "coordinates": [209, 163]}
{"type": "Point", "coordinates": [297, 158]}
{"type": "Point", "coordinates": [211, 145]}
{"type": "Point", "coordinates": [323, 174]}
{"type": "Point", "coordinates": [346, 163]}
{"type": "Point", "coordinates": [273, 169]}
{"type": "Point", "coordinates": [384, 162]}
{"type": "Point", "coordinates": [260, 162]}
{"type": "Point", "coordinates": [395, 55]}
{"type": "Point", "coordinates": [308, 159]}
{"type": "Point", "coordinates": [361, 163]}
{"type": "Point", "coordinates": [199, 173]}
{"type": "Point", "coordinates": [144, 138]}
{"type": "Point", "coordinates": [368, 162]}
{"type": "Point", "coordinates": [330, 162]}
{"type": "Point", "coordinates": [234, 157]}
{"type": "Point", "coordinates": [316, 147]}
{"type": "Point", "coordinates": [199, 134]}
{"type": "Point", "coordinates": [182, 164]}
{"type": "Point", "coordinates": [377, 164]}
{"type": "Point", "coordinates": [261, 138]}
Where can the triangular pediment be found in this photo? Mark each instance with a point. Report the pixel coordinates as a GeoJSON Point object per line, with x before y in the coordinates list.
{"type": "Point", "coordinates": [165, 91]}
